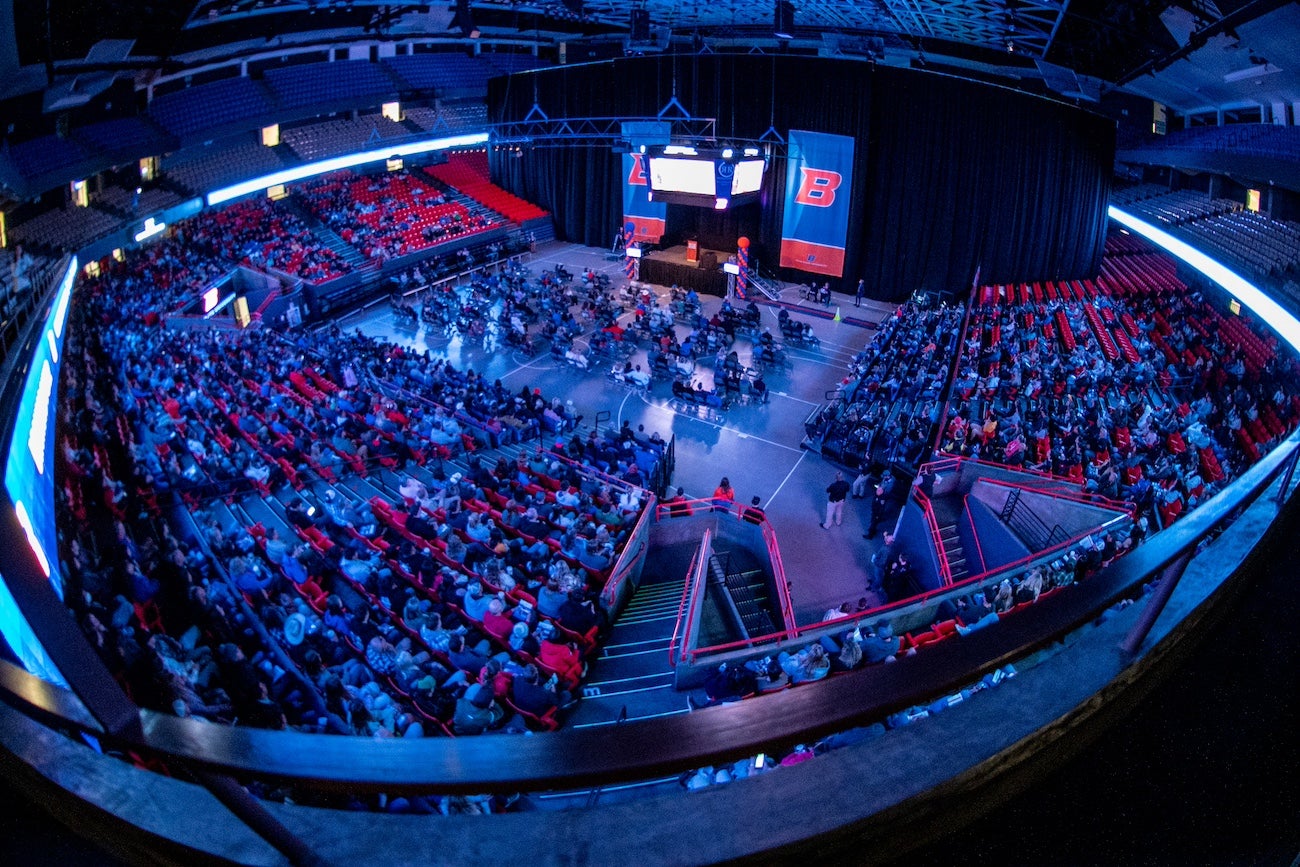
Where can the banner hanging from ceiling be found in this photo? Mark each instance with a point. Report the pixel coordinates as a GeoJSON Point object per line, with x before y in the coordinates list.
{"type": "Point", "coordinates": [819, 171]}
{"type": "Point", "coordinates": [647, 217]}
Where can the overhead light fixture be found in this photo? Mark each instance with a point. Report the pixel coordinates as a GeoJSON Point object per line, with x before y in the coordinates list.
{"type": "Point", "coordinates": [783, 20]}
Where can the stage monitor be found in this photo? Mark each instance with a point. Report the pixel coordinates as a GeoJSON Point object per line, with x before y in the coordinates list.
{"type": "Point", "coordinates": [683, 175]}
{"type": "Point", "coordinates": [707, 178]}
{"type": "Point", "coordinates": [747, 177]}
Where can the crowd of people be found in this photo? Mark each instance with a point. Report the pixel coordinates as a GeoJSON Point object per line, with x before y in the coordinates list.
{"type": "Point", "coordinates": [1152, 397]}
{"type": "Point", "coordinates": [465, 602]}
{"type": "Point", "coordinates": [892, 399]}
{"type": "Point", "coordinates": [390, 215]}
{"type": "Point", "coordinates": [263, 233]}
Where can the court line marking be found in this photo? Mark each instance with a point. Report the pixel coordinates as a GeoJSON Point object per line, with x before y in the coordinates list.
{"type": "Point", "coordinates": [668, 409]}
{"type": "Point", "coordinates": [768, 505]}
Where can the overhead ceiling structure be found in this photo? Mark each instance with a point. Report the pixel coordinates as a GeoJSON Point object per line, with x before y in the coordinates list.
{"type": "Point", "coordinates": [1190, 55]}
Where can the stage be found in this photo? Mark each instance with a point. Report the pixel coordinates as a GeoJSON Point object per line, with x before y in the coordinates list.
{"type": "Point", "coordinates": [666, 267]}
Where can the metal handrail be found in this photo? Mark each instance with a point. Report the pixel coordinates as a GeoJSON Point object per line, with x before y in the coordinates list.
{"type": "Point", "coordinates": [979, 549]}
{"type": "Point", "coordinates": [778, 572]}
{"type": "Point", "coordinates": [927, 509]}
{"type": "Point", "coordinates": [609, 593]}
{"type": "Point", "coordinates": [608, 754]}
{"type": "Point", "coordinates": [690, 592]}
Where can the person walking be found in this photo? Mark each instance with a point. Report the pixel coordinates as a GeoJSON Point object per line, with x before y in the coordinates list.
{"type": "Point", "coordinates": [836, 491]}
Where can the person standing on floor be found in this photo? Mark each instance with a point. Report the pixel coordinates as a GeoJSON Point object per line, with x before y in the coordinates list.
{"type": "Point", "coordinates": [861, 291]}
{"type": "Point", "coordinates": [723, 495]}
{"type": "Point", "coordinates": [836, 491]}
{"type": "Point", "coordinates": [880, 502]}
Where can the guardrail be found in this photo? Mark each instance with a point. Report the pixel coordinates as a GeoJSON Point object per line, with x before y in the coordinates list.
{"type": "Point", "coordinates": [778, 573]}
{"type": "Point", "coordinates": [690, 598]}
{"type": "Point", "coordinates": [927, 508]}
{"type": "Point", "coordinates": [979, 549]}
{"type": "Point", "coordinates": [613, 754]}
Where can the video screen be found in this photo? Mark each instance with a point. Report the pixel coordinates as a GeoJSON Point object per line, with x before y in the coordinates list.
{"type": "Point", "coordinates": [748, 177]}
{"type": "Point", "coordinates": [676, 175]}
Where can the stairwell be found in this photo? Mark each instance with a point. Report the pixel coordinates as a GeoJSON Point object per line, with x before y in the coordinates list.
{"type": "Point", "coordinates": [947, 517]}
{"type": "Point", "coordinates": [743, 594]}
{"type": "Point", "coordinates": [762, 284]}
{"type": "Point", "coordinates": [1028, 526]}
{"type": "Point", "coordinates": [953, 552]}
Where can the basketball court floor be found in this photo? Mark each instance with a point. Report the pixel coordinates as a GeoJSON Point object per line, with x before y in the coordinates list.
{"type": "Point", "coordinates": [755, 445]}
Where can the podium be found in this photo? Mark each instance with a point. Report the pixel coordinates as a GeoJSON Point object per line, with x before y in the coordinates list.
{"type": "Point", "coordinates": [692, 251]}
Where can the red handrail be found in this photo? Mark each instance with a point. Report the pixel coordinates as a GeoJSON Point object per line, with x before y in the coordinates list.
{"type": "Point", "coordinates": [950, 460]}
{"type": "Point", "coordinates": [1075, 497]}
{"type": "Point", "coordinates": [610, 588]}
{"type": "Point", "coordinates": [687, 606]}
{"type": "Point", "coordinates": [681, 606]}
{"type": "Point", "coordinates": [1036, 555]}
{"type": "Point", "coordinates": [778, 573]}
{"type": "Point", "coordinates": [706, 504]}
{"type": "Point", "coordinates": [944, 572]}
{"type": "Point", "coordinates": [979, 549]}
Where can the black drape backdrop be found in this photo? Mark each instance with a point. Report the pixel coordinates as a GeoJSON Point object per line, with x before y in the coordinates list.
{"type": "Point", "coordinates": [949, 175]}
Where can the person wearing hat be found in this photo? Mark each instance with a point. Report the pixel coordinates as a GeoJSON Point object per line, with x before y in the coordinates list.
{"type": "Point", "coordinates": [295, 629]}
{"type": "Point", "coordinates": [521, 641]}
{"type": "Point", "coordinates": [880, 644]}
{"type": "Point", "coordinates": [476, 711]}
{"type": "Point", "coordinates": [497, 622]}
{"type": "Point", "coordinates": [556, 656]}
{"type": "Point", "coordinates": [531, 696]}
{"type": "Point", "coordinates": [476, 601]}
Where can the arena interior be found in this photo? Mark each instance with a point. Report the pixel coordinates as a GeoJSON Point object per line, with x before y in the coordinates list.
{"type": "Point", "coordinates": [600, 432]}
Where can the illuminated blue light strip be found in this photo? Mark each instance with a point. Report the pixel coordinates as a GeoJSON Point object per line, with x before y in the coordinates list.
{"type": "Point", "coordinates": [1251, 296]}
{"type": "Point", "coordinates": [310, 170]}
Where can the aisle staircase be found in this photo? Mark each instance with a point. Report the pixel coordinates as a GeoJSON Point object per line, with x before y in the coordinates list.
{"type": "Point", "coordinates": [632, 678]}
{"type": "Point", "coordinates": [325, 234]}
{"type": "Point", "coordinates": [744, 594]}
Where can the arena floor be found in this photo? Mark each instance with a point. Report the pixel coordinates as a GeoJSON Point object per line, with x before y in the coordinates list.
{"type": "Point", "coordinates": [756, 446]}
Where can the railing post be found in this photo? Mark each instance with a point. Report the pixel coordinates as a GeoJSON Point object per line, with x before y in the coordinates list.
{"type": "Point", "coordinates": [1168, 581]}
{"type": "Point", "coordinates": [1286, 477]}
{"type": "Point", "coordinates": [250, 811]}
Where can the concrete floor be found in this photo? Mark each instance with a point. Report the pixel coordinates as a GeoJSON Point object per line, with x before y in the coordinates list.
{"type": "Point", "coordinates": [756, 446]}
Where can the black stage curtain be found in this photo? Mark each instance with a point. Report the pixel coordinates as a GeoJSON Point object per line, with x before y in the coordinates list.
{"type": "Point", "coordinates": [580, 186]}
{"type": "Point", "coordinates": [949, 175]}
{"type": "Point", "coordinates": [716, 230]}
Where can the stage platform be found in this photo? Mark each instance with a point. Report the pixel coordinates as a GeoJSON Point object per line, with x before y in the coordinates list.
{"type": "Point", "coordinates": [666, 267]}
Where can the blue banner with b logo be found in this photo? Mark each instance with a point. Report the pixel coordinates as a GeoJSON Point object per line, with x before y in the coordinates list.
{"type": "Point", "coordinates": [819, 170]}
{"type": "Point", "coordinates": [647, 217]}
